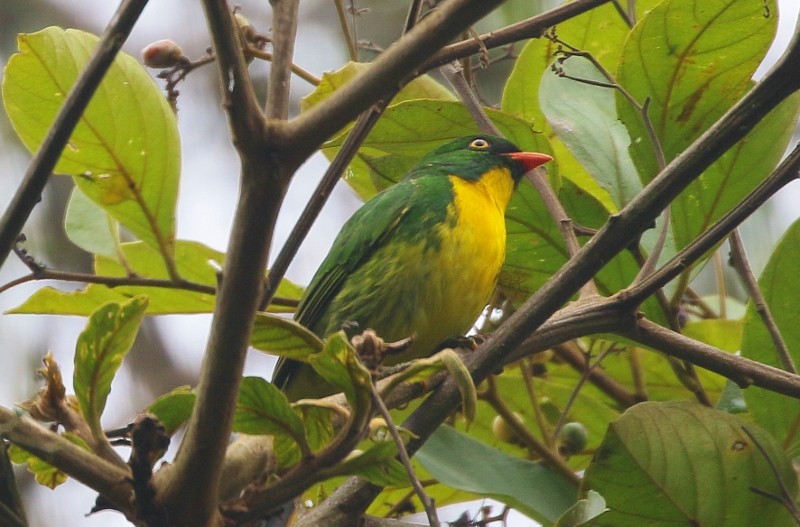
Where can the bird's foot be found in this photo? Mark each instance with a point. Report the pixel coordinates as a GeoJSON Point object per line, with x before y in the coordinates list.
{"type": "Point", "coordinates": [372, 350]}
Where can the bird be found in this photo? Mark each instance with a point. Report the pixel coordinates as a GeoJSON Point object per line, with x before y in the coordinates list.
{"type": "Point", "coordinates": [420, 258]}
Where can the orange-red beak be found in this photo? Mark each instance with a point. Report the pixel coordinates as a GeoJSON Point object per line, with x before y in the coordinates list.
{"type": "Point", "coordinates": [530, 160]}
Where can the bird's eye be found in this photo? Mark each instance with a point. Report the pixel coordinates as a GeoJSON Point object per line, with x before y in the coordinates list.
{"type": "Point", "coordinates": [479, 144]}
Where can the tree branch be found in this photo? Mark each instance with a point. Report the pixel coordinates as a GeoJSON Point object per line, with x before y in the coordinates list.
{"type": "Point", "coordinates": [111, 481]}
{"type": "Point", "coordinates": [189, 488]}
{"type": "Point", "coordinates": [786, 172]}
{"type": "Point", "coordinates": [347, 152]}
{"type": "Point", "coordinates": [533, 27]}
{"type": "Point", "coordinates": [743, 372]}
{"type": "Point", "coordinates": [739, 262]}
{"type": "Point", "coordinates": [390, 71]}
{"type": "Point", "coordinates": [284, 22]}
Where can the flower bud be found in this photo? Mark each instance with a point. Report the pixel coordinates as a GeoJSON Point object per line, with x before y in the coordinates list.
{"type": "Point", "coordinates": [162, 54]}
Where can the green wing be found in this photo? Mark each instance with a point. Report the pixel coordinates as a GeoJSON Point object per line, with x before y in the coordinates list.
{"type": "Point", "coordinates": [374, 223]}
{"type": "Point", "coordinates": [363, 233]}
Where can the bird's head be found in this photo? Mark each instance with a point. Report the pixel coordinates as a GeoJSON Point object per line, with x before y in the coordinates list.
{"type": "Point", "coordinates": [470, 157]}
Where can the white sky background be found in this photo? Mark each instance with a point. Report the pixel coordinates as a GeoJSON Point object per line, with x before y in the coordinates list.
{"type": "Point", "coordinates": [207, 198]}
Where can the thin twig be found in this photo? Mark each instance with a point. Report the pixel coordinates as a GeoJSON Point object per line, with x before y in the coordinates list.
{"type": "Point", "coordinates": [624, 14]}
{"type": "Point", "coordinates": [427, 502]}
{"type": "Point", "coordinates": [297, 70]}
{"type": "Point", "coordinates": [590, 367]}
{"type": "Point", "coordinates": [127, 281]}
{"type": "Point", "coordinates": [739, 261]}
{"type": "Point", "coordinates": [785, 498]}
{"type": "Point", "coordinates": [533, 27]}
{"type": "Point", "coordinates": [413, 15]}
{"type": "Point", "coordinates": [549, 457]}
{"type": "Point", "coordinates": [455, 77]}
{"type": "Point", "coordinates": [525, 369]}
{"type": "Point", "coordinates": [352, 45]}
{"type": "Point", "coordinates": [30, 190]}
{"type": "Point", "coordinates": [538, 177]}
{"type": "Point", "coordinates": [569, 353]}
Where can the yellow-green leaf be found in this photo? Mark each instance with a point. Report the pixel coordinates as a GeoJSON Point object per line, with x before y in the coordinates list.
{"type": "Point", "coordinates": [108, 337]}
{"type": "Point", "coordinates": [45, 473]}
{"type": "Point", "coordinates": [196, 263]}
{"type": "Point", "coordinates": [285, 337]}
{"type": "Point", "coordinates": [125, 151]}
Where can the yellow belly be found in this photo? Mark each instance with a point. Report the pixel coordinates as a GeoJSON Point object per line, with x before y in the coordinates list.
{"type": "Point", "coordinates": [467, 263]}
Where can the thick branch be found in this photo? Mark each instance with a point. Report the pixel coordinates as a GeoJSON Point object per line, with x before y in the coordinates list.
{"type": "Point", "coordinates": [743, 372]}
{"type": "Point", "coordinates": [190, 487]}
{"type": "Point", "coordinates": [30, 191]}
{"type": "Point", "coordinates": [391, 69]}
{"type": "Point", "coordinates": [111, 481]}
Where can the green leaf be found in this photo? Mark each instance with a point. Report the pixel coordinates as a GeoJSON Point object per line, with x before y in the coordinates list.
{"type": "Point", "coordinates": [195, 261]}
{"type": "Point", "coordinates": [423, 87]}
{"type": "Point", "coordinates": [599, 31]}
{"type": "Point", "coordinates": [318, 422]}
{"type": "Point", "coordinates": [680, 463]}
{"type": "Point", "coordinates": [285, 337]}
{"type": "Point", "coordinates": [108, 337]}
{"type": "Point", "coordinates": [45, 473]}
{"type": "Point", "coordinates": [777, 413]}
{"type": "Point", "coordinates": [90, 227]}
{"type": "Point", "coordinates": [693, 62]}
{"type": "Point", "coordinates": [339, 366]}
{"type": "Point", "coordinates": [723, 334]}
{"type": "Point", "coordinates": [533, 489]}
{"type": "Point", "coordinates": [378, 465]}
{"type": "Point", "coordinates": [411, 129]}
{"type": "Point", "coordinates": [583, 116]}
{"type": "Point", "coordinates": [174, 408]}
{"type": "Point", "coordinates": [125, 151]}
{"type": "Point", "coordinates": [723, 186]}
{"type": "Point", "coordinates": [263, 410]}
{"type": "Point", "coordinates": [584, 510]}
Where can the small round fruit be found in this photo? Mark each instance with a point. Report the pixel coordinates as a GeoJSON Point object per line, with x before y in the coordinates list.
{"type": "Point", "coordinates": [573, 438]}
{"type": "Point", "coordinates": [504, 432]}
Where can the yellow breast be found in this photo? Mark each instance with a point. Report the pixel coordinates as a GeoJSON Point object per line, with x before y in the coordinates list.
{"type": "Point", "coordinates": [479, 238]}
{"type": "Point", "coordinates": [471, 254]}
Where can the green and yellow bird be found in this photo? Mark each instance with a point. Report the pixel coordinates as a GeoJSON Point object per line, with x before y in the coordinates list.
{"type": "Point", "coordinates": [420, 258]}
